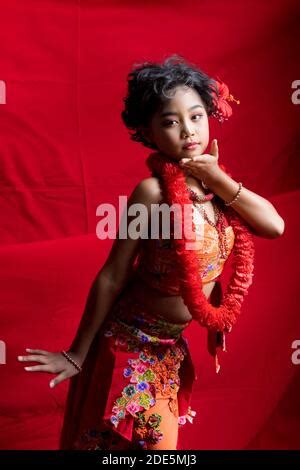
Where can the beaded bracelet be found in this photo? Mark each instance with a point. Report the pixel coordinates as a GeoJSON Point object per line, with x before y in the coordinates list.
{"type": "Point", "coordinates": [236, 196]}
{"type": "Point", "coordinates": [78, 367]}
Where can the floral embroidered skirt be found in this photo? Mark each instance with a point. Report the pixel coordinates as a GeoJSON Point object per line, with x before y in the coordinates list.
{"type": "Point", "coordinates": [137, 361]}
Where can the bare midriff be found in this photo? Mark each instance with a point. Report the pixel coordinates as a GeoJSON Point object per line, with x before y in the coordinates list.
{"type": "Point", "coordinates": [171, 307]}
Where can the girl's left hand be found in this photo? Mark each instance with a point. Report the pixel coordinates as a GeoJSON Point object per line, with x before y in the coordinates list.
{"type": "Point", "coordinates": [203, 167]}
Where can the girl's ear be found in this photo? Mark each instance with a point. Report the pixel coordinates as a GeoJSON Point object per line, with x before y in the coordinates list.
{"type": "Point", "coordinates": [147, 134]}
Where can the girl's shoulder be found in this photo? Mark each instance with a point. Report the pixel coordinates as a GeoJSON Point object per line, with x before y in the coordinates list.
{"type": "Point", "coordinates": [148, 190]}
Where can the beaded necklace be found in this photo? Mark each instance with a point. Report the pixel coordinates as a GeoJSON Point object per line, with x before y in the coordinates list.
{"type": "Point", "coordinates": [219, 223]}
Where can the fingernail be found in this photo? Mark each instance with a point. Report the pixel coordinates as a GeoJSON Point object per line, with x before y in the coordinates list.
{"type": "Point", "coordinates": [20, 358]}
{"type": "Point", "coordinates": [51, 384]}
{"type": "Point", "coordinates": [27, 349]}
{"type": "Point", "coordinates": [27, 368]}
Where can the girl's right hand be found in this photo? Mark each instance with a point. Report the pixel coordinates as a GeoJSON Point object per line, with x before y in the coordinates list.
{"type": "Point", "coordinates": [53, 363]}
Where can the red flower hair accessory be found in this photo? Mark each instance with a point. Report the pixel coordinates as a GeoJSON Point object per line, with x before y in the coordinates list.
{"type": "Point", "coordinates": [221, 100]}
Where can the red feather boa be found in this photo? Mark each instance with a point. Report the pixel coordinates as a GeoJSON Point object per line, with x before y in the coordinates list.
{"type": "Point", "coordinates": [215, 319]}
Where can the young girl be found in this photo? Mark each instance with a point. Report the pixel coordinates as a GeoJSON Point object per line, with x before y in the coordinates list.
{"type": "Point", "coordinates": [130, 367]}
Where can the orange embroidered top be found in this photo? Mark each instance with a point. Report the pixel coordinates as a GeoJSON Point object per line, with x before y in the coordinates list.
{"type": "Point", "coordinates": [157, 259]}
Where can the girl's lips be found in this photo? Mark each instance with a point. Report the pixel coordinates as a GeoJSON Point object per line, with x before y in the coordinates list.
{"type": "Point", "coordinates": [190, 147]}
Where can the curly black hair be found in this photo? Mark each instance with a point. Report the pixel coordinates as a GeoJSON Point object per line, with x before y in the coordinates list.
{"type": "Point", "coordinates": [148, 84]}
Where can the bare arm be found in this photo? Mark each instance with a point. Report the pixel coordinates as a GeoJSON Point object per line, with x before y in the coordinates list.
{"type": "Point", "coordinates": [101, 298]}
{"type": "Point", "coordinates": [258, 212]}
{"type": "Point", "coordinates": [106, 287]}
{"type": "Point", "coordinates": [115, 273]}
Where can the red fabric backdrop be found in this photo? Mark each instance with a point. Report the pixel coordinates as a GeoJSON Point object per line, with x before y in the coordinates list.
{"type": "Point", "coordinates": [64, 66]}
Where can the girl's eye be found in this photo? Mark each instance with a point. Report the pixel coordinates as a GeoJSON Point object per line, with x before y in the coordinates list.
{"type": "Point", "coordinates": [168, 123]}
{"type": "Point", "coordinates": [201, 115]}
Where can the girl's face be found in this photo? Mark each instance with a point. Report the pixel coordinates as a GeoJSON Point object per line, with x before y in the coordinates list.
{"type": "Point", "coordinates": [180, 120]}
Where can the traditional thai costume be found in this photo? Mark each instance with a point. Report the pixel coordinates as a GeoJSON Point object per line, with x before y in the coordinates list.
{"type": "Point", "coordinates": [138, 360]}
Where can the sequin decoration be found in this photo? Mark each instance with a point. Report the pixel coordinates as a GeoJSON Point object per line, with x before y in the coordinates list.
{"type": "Point", "coordinates": [154, 371]}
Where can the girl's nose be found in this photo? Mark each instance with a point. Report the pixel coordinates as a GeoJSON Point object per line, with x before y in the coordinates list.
{"type": "Point", "coordinates": [187, 132]}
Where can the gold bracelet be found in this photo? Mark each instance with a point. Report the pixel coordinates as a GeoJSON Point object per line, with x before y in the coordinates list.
{"type": "Point", "coordinates": [78, 367]}
{"type": "Point", "coordinates": [236, 196]}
